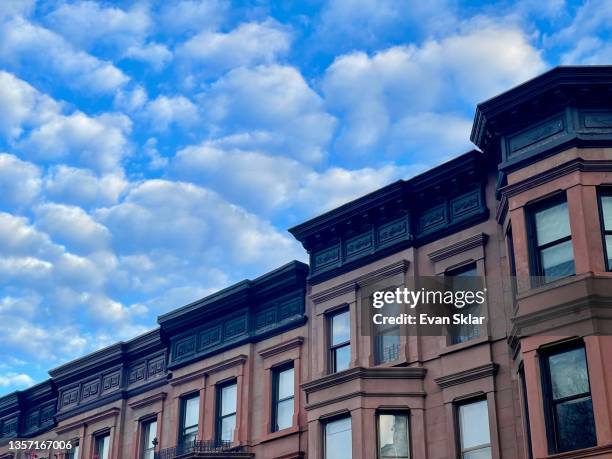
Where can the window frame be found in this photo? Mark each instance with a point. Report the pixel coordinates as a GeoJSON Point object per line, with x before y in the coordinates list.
{"type": "Point", "coordinates": [219, 406]}
{"type": "Point", "coordinates": [535, 249]}
{"type": "Point", "coordinates": [459, 437]}
{"type": "Point", "coordinates": [325, 422]}
{"type": "Point", "coordinates": [549, 403]}
{"type": "Point", "coordinates": [145, 425]}
{"type": "Point", "coordinates": [601, 192]}
{"type": "Point", "coordinates": [333, 348]}
{"type": "Point", "coordinates": [276, 371]}
{"type": "Point", "coordinates": [183, 406]}
{"type": "Point", "coordinates": [74, 452]}
{"type": "Point", "coordinates": [97, 437]}
{"type": "Point", "coordinates": [472, 265]}
{"type": "Point", "coordinates": [395, 412]}
{"type": "Point", "coordinates": [525, 402]}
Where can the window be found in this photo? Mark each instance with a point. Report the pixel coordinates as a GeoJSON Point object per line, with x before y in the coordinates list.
{"type": "Point", "coordinates": [283, 401]}
{"type": "Point", "coordinates": [512, 261]}
{"type": "Point", "coordinates": [190, 415]}
{"type": "Point", "coordinates": [474, 436]}
{"type": "Point", "coordinates": [102, 446]}
{"type": "Point", "coordinates": [149, 437]}
{"type": "Point", "coordinates": [226, 411]}
{"type": "Point", "coordinates": [605, 203]}
{"type": "Point", "coordinates": [465, 332]}
{"type": "Point", "coordinates": [340, 341]}
{"type": "Point", "coordinates": [73, 453]}
{"type": "Point", "coordinates": [526, 422]}
{"type": "Point", "coordinates": [393, 438]}
{"type": "Point", "coordinates": [553, 254]}
{"type": "Point", "coordinates": [570, 421]}
{"type": "Point", "coordinates": [338, 441]}
{"type": "Point", "coordinates": [387, 338]}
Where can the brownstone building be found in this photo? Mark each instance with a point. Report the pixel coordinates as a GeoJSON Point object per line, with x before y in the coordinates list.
{"type": "Point", "coordinates": [279, 367]}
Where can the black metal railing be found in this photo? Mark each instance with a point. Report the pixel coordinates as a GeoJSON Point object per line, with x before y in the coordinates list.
{"type": "Point", "coordinates": [200, 446]}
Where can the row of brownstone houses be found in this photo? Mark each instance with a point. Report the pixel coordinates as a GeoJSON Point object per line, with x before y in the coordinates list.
{"type": "Point", "coordinates": [280, 366]}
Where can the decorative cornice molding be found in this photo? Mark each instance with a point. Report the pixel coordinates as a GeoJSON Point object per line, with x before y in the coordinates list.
{"type": "Point", "coordinates": [203, 372]}
{"type": "Point", "coordinates": [282, 347]}
{"type": "Point", "coordinates": [461, 377]}
{"type": "Point", "coordinates": [364, 373]}
{"type": "Point", "coordinates": [342, 398]}
{"type": "Point", "coordinates": [89, 420]}
{"type": "Point", "coordinates": [478, 240]}
{"type": "Point", "coordinates": [574, 165]}
{"type": "Point", "coordinates": [351, 286]}
{"type": "Point", "coordinates": [148, 400]}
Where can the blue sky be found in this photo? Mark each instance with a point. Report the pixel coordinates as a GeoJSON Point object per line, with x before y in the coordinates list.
{"type": "Point", "coordinates": [153, 152]}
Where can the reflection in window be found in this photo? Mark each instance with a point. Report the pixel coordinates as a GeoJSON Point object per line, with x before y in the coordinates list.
{"type": "Point", "coordinates": [102, 447]}
{"type": "Point", "coordinates": [190, 408]}
{"type": "Point", "coordinates": [149, 433]}
{"type": "Point", "coordinates": [74, 451]}
{"type": "Point", "coordinates": [464, 332]}
{"type": "Point", "coordinates": [338, 439]}
{"type": "Point", "coordinates": [393, 438]}
{"type": "Point", "coordinates": [606, 224]}
{"type": "Point", "coordinates": [387, 337]}
{"type": "Point", "coordinates": [227, 397]}
{"type": "Point", "coordinates": [340, 341]}
{"type": "Point", "coordinates": [284, 383]}
{"type": "Point", "coordinates": [554, 257]}
{"type": "Point", "coordinates": [569, 404]}
{"type": "Point", "coordinates": [474, 433]}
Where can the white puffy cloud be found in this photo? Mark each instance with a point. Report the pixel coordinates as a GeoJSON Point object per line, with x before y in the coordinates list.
{"type": "Point", "coordinates": [87, 23]}
{"type": "Point", "coordinates": [355, 24]}
{"type": "Point", "coordinates": [270, 108]}
{"type": "Point", "coordinates": [82, 187]}
{"type": "Point", "coordinates": [20, 380]}
{"type": "Point", "coordinates": [264, 183]}
{"type": "Point", "coordinates": [248, 44]}
{"type": "Point", "coordinates": [185, 220]}
{"type": "Point", "coordinates": [38, 128]}
{"type": "Point", "coordinates": [98, 142]}
{"type": "Point", "coordinates": [72, 226]}
{"type": "Point", "coordinates": [156, 54]}
{"type": "Point", "coordinates": [21, 106]}
{"type": "Point", "coordinates": [27, 45]}
{"type": "Point", "coordinates": [379, 94]}
{"type": "Point", "coordinates": [164, 111]}
{"type": "Point", "coordinates": [19, 181]}
{"type": "Point", "coordinates": [187, 16]}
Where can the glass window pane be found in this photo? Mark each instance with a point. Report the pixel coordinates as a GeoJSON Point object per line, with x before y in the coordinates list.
{"type": "Point", "coordinates": [338, 439]}
{"type": "Point", "coordinates": [575, 424]}
{"type": "Point", "coordinates": [393, 436]}
{"type": "Point", "coordinates": [552, 223]}
{"type": "Point", "coordinates": [228, 399]}
{"type": "Point", "coordinates": [286, 383]}
{"type": "Point", "coordinates": [74, 452]}
{"type": "Point", "coordinates": [558, 260]}
{"type": "Point", "coordinates": [191, 411]}
{"type": "Point", "coordinates": [228, 425]}
{"type": "Point", "coordinates": [483, 453]}
{"type": "Point", "coordinates": [341, 328]}
{"type": "Point", "coordinates": [474, 424]}
{"type": "Point", "coordinates": [102, 447]}
{"type": "Point", "coordinates": [606, 207]}
{"type": "Point", "coordinates": [609, 250]}
{"type": "Point", "coordinates": [568, 373]}
{"type": "Point", "coordinates": [150, 434]}
{"type": "Point", "coordinates": [343, 358]}
{"type": "Point", "coordinates": [284, 414]}
{"type": "Point", "coordinates": [388, 346]}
